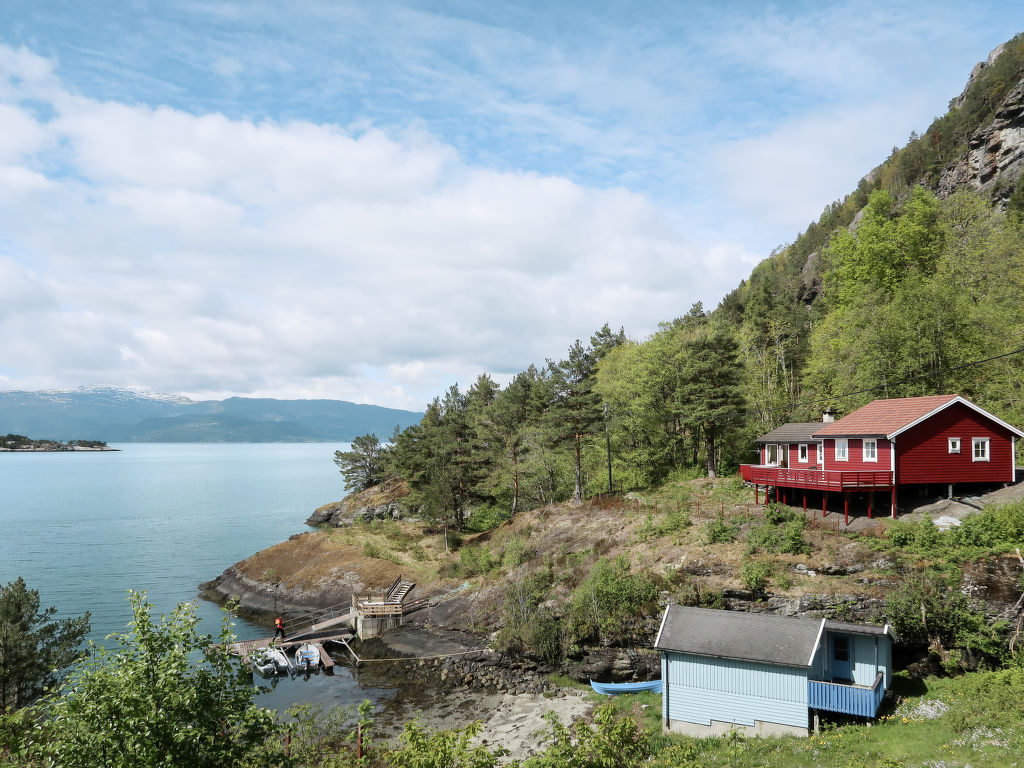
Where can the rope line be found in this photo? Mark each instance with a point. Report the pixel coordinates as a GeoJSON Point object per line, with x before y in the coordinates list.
{"type": "Point", "coordinates": [435, 656]}
{"type": "Point", "coordinates": [846, 395]}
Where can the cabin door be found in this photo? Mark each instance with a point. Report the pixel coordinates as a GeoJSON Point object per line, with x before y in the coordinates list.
{"type": "Point", "coordinates": [841, 658]}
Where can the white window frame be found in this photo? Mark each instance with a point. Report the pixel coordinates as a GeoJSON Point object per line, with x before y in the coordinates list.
{"type": "Point", "coordinates": [770, 448]}
{"type": "Point", "coordinates": [845, 444]}
{"type": "Point", "coordinates": [802, 454]}
{"type": "Point", "coordinates": [980, 442]}
{"type": "Point", "coordinates": [874, 451]}
{"type": "Point", "coordinates": [821, 454]}
{"type": "Point", "coordinates": [954, 444]}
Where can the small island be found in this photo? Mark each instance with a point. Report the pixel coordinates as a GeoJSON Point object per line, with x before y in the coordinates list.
{"type": "Point", "coordinates": [21, 444]}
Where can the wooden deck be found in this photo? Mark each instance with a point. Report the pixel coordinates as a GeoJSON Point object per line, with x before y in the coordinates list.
{"type": "Point", "coordinates": [816, 479]}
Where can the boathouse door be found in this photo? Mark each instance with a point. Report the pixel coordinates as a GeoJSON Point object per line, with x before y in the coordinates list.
{"type": "Point", "coordinates": [841, 669]}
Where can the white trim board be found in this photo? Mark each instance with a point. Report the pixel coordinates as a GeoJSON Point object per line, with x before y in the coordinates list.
{"type": "Point", "coordinates": [961, 400]}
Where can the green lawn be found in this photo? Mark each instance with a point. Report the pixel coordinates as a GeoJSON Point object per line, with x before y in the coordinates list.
{"type": "Point", "coordinates": [975, 720]}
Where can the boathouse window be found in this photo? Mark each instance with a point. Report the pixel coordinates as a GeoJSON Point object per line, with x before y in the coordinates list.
{"type": "Point", "coordinates": [802, 453]}
{"type": "Point", "coordinates": [954, 445]}
{"type": "Point", "coordinates": [841, 450]}
{"type": "Point", "coordinates": [870, 450]}
{"type": "Point", "coordinates": [980, 448]}
{"type": "Point", "coordinates": [771, 455]}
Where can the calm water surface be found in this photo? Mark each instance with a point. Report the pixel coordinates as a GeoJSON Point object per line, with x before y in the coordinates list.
{"type": "Point", "coordinates": [83, 528]}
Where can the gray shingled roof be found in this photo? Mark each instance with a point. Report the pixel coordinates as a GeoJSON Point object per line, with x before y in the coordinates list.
{"type": "Point", "coordinates": [793, 432]}
{"type": "Point", "coordinates": [857, 629]}
{"type": "Point", "coordinates": [788, 640]}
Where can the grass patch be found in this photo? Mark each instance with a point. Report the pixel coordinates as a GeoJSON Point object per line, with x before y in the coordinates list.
{"type": "Point", "coordinates": [975, 720]}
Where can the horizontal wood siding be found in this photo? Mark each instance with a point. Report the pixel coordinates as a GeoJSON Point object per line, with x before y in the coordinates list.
{"type": "Point", "coordinates": [855, 451]}
{"type": "Point", "coordinates": [703, 689]}
{"type": "Point", "coordinates": [863, 702]}
{"type": "Point", "coordinates": [862, 657]}
{"type": "Point", "coordinates": [922, 453]}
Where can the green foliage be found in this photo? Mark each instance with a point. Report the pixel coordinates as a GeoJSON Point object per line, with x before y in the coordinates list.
{"type": "Point", "coordinates": [756, 575]}
{"type": "Point", "coordinates": [326, 737]}
{"type": "Point", "coordinates": [34, 645]}
{"type": "Point", "coordinates": [925, 611]}
{"type": "Point", "coordinates": [612, 742]}
{"type": "Point", "coordinates": [477, 560]}
{"type": "Point", "coordinates": [575, 411]}
{"type": "Point", "coordinates": [421, 748]}
{"type": "Point", "coordinates": [606, 604]}
{"type": "Point", "coordinates": [994, 530]}
{"type": "Point", "coordinates": [163, 695]}
{"type": "Point", "coordinates": [719, 531]}
{"type": "Point", "coordinates": [516, 553]}
{"type": "Point", "coordinates": [787, 538]}
{"type": "Point", "coordinates": [363, 466]}
{"type": "Point", "coordinates": [486, 517]}
{"type": "Point", "coordinates": [523, 597]}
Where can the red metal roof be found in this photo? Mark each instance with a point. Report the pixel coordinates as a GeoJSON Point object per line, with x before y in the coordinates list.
{"type": "Point", "coordinates": [883, 417]}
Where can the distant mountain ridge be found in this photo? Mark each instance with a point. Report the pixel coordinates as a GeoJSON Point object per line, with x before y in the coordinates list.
{"type": "Point", "coordinates": [128, 414]}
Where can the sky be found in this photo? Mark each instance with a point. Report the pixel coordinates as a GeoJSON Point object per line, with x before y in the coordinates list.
{"type": "Point", "coordinates": [371, 201]}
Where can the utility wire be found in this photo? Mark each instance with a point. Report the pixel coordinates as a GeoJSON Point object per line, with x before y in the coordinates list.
{"type": "Point", "coordinates": [847, 395]}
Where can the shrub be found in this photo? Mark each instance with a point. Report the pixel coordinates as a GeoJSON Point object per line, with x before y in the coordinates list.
{"type": "Point", "coordinates": [787, 538]}
{"type": "Point", "coordinates": [719, 531]}
{"type": "Point", "coordinates": [476, 560]}
{"type": "Point", "coordinates": [486, 517]}
{"type": "Point", "coordinates": [776, 514]}
{"type": "Point", "coordinates": [757, 575]}
{"type": "Point", "coordinates": [516, 553]}
{"type": "Point", "coordinates": [522, 600]}
{"type": "Point", "coordinates": [608, 601]}
{"type": "Point", "coordinates": [925, 611]}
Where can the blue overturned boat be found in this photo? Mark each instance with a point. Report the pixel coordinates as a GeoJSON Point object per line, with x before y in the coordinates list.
{"type": "Point", "coordinates": [614, 689]}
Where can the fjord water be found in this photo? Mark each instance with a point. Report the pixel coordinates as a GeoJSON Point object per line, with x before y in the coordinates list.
{"type": "Point", "coordinates": [84, 528]}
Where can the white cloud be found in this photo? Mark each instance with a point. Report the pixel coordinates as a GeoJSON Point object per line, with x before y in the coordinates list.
{"type": "Point", "coordinates": [204, 254]}
{"type": "Point", "coordinates": [787, 175]}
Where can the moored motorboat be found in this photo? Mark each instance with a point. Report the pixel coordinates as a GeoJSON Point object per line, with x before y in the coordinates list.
{"type": "Point", "coordinates": [307, 657]}
{"type": "Point", "coordinates": [269, 661]}
{"type": "Point", "coordinates": [613, 689]}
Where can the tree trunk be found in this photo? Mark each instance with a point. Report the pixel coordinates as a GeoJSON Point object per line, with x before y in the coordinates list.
{"type": "Point", "coordinates": [577, 493]}
{"type": "Point", "coordinates": [711, 452]}
{"type": "Point", "coordinates": [515, 482]}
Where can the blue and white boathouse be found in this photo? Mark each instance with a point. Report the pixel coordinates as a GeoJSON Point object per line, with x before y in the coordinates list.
{"type": "Point", "coordinates": [764, 674]}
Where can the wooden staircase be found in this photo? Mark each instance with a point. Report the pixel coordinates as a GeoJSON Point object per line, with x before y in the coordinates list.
{"type": "Point", "coordinates": [399, 590]}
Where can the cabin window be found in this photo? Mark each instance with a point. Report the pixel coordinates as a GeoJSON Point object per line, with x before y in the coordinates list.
{"type": "Point", "coordinates": [954, 444]}
{"type": "Point", "coordinates": [980, 448]}
{"type": "Point", "coordinates": [802, 453]}
{"type": "Point", "coordinates": [841, 450]}
{"type": "Point", "coordinates": [821, 453]}
{"type": "Point", "coordinates": [771, 455]}
{"type": "Point", "coordinates": [870, 450]}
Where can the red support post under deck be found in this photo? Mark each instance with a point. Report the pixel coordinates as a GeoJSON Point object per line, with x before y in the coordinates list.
{"type": "Point", "coordinates": [824, 504]}
{"type": "Point", "coordinates": [805, 502]}
{"type": "Point", "coordinates": [757, 503]}
{"type": "Point", "coordinates": [871, 495]}
{"type": "Point", "coordinates": [846, 508]}
{"type": "Point", "coordinates": [894, 501]}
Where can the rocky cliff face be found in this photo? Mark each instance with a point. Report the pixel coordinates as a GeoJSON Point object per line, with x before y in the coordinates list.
{"type": "Point", "coordinates": [995, 153]}
{"type": "Point", "coordinates": [381, 502]}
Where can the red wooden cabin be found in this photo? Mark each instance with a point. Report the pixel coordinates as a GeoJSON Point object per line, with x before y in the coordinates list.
{"type": "Point", "coordinates": [940, 439]}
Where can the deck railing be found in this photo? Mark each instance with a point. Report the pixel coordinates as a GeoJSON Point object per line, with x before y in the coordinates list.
{"type": "Point", "coordinates": [859, 700]}
{"type": "Point", "coordinates": [818, 479]}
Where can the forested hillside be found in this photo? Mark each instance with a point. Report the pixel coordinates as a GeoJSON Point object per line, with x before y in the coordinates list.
{"type": "Point", "coordinates": [911, 285]}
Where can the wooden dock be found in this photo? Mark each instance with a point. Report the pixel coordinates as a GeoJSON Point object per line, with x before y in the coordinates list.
{"type": "Point", "coordinates": [244, 648]}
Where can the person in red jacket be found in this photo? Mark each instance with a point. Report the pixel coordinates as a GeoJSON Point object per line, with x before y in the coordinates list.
{"type": "Point", "coordinates": [278, 628]}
